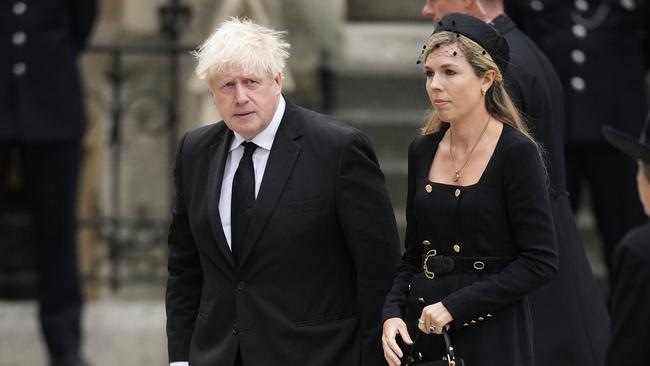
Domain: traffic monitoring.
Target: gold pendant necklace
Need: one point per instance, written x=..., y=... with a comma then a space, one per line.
x=451, y=139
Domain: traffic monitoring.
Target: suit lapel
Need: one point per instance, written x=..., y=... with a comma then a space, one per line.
x=218, y=155
x=284, y=152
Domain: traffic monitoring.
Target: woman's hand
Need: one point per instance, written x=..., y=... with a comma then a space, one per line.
x=392, y=352
x=433, y=318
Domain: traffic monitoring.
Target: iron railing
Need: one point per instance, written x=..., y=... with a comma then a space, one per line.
x=134, y=244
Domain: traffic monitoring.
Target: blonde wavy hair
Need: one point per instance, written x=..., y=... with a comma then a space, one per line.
x=497, y=101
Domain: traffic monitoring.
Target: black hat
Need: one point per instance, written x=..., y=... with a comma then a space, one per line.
x=637, y=149
x=480, y=32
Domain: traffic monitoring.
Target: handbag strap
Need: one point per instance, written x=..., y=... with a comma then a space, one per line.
x=414, y=355
x=451, y=358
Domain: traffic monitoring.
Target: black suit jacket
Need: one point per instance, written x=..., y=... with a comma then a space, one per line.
x=631, y=300
x=316, y=264
x=573, y=298
x=535, y=87
x=43, y=103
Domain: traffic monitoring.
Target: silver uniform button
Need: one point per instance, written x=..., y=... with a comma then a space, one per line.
x=628, y=4
x=19, y=69
x=537, y=5
x=582, y=5
x=579, y=30
x=578, y=57
x=19, y=38
x=578, y=83
x=19, y=8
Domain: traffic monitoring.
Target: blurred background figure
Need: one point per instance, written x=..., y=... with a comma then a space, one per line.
x=631, y=276
x=600, y=51
x=42, y=122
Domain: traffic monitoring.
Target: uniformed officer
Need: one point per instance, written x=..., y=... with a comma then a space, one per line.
x=41, y=118
x=597, y=47
x=631, y=276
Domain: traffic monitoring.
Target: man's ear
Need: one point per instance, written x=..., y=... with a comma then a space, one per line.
x=468, y=4
x=278, y=81
x=473, y=8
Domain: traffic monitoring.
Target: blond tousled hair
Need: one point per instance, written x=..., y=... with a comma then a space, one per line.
x=238, y=42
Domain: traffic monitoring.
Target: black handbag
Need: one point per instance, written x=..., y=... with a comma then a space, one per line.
x=414, y=357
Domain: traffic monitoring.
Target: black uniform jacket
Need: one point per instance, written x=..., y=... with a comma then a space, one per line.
x=598, y=50
x=316, y=264
x=631, y=300
x=40, y=88
x=507, y=215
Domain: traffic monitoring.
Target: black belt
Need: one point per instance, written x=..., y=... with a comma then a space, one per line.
x=440, y=264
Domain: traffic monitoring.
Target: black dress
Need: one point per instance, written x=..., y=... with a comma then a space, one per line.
x=504, y=221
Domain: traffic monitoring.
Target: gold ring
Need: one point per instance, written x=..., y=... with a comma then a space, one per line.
x=432, y=328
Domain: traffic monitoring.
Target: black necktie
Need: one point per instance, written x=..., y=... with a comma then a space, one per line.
x=243, y=199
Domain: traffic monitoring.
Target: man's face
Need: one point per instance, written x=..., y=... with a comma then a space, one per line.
x=436, y=9
x=246, y=102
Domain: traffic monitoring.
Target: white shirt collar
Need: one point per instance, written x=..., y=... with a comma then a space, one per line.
x=265, y=138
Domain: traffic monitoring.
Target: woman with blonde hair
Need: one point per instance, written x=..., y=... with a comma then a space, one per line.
x=480, y=234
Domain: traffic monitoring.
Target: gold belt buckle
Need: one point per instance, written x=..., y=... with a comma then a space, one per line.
x=430, y=275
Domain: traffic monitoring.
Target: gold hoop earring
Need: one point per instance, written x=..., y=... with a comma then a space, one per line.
x=483, y=92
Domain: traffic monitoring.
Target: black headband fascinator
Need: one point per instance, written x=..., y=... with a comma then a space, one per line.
x=480, y=32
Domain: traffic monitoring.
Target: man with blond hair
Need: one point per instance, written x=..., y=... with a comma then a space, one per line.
x=283, y=242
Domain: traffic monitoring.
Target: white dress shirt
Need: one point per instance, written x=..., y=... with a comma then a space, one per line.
x=264, y=141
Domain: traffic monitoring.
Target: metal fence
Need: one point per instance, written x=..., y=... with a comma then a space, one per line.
x=132, y=244
x=133, y=241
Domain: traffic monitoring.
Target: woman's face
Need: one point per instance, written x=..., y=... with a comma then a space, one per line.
x=453, y=87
